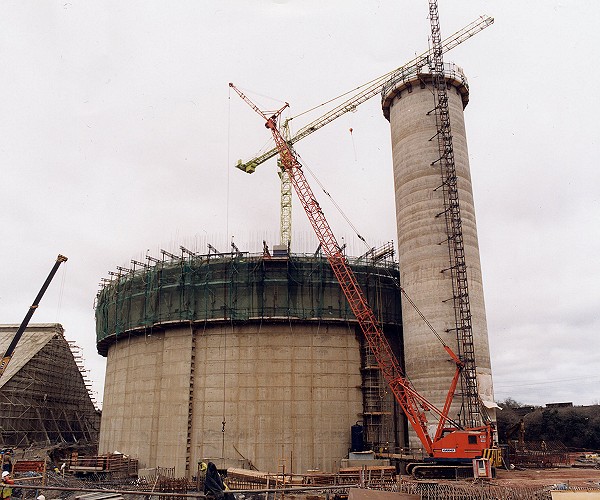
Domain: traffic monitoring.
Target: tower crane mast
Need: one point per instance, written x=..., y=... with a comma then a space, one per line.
x=471, y=408
x=451, y=442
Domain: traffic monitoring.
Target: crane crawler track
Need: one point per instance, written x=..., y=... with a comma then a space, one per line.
x=425, y=470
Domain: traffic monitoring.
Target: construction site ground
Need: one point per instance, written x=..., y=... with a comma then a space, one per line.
x=573, y=476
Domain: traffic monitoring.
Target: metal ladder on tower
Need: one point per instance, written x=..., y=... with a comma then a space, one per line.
x=458, y=268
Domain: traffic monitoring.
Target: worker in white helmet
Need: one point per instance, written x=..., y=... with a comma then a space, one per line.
x=6, y=484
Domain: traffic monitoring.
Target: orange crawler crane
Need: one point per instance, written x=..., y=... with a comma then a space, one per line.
x=453, y=446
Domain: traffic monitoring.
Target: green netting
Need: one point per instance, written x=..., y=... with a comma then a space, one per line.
x=238, y=288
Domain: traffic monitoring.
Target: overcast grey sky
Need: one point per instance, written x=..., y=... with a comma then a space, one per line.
x=118, y=133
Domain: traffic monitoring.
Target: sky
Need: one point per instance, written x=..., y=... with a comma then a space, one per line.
x=118, y=136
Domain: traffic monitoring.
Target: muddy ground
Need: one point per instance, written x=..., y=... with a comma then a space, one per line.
x=540, y=477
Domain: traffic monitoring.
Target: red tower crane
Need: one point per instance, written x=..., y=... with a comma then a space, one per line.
x=453, y=445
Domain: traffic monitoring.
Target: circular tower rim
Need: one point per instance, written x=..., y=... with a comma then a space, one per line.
x=455, y=78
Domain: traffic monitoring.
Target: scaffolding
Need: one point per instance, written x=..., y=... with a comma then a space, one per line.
x=380, y=411
x=470, y=411
x=44, y=399
x=236, y=287
x=241, y=288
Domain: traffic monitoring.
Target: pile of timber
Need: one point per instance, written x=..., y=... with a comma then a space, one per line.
x=115, y=464
x=244, y=479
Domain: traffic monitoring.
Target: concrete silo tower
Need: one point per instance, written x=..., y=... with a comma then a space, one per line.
x=243, y=359
x=423, y=238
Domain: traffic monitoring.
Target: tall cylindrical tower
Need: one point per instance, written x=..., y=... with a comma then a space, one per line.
x=423, y=241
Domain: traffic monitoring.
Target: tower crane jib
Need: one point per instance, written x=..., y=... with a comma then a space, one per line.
x=373, y=88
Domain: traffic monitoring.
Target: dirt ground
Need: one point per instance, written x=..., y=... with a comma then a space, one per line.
x=569, y=475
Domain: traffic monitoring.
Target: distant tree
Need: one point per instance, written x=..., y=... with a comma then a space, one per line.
x=510, y=403
x=509, y=417
x=506, y=418
x=576, y=427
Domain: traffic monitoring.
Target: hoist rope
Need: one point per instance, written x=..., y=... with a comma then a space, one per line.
x=253, y=93
x=410, y=301
x=335, y=204
x=414, y=306
x=227, y=233
x=356, y=89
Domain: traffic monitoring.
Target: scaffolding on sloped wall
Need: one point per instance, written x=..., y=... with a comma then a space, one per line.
x=44, y=399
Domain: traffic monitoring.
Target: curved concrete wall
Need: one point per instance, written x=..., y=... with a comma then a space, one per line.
x=268, y=345
x=286, y=392
x=423, y=250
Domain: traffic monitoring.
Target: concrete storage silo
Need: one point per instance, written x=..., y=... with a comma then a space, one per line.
x=423, y=248
x=241, y=359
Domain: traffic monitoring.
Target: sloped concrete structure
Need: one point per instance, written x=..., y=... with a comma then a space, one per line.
x=43, y=395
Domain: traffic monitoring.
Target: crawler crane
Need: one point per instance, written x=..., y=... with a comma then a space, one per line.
x=453, y=445
x=36, y=302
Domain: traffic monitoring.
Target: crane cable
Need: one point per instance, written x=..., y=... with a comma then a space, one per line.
x=356, y=89
x=411, y=302
x=397, y=283
x=227, y=233
x=402, y=290
x=335, y=204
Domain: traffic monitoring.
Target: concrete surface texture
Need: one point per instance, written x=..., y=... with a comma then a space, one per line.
x=422, y=238
x=241, y=359
x=270, y=393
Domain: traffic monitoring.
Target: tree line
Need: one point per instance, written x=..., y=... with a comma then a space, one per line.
x=577, y=427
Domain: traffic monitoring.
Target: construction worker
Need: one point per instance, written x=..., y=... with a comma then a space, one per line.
x=6, y=484
x=202, y=468
x=213, y=484
x=6, y=460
